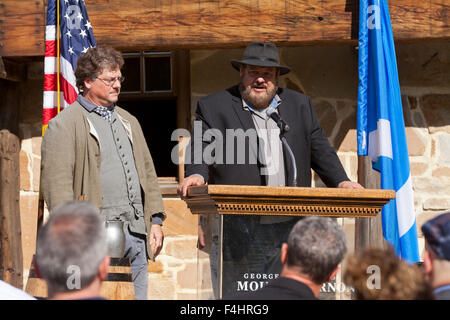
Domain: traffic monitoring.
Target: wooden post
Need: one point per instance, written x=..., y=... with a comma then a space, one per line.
x=182, y=77
x=368, y=231
x=11, y=259
x=10, y=241
x=182, y=68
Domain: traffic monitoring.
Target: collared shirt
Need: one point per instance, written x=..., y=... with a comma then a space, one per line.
x=104, y=112
x=90, y=106
x=270, y=152
x=440, y=289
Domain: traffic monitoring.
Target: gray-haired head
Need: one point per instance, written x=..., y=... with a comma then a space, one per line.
x=316, y=246
x=73, y=239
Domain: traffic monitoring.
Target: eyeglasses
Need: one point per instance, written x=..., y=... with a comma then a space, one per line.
x=109, y=82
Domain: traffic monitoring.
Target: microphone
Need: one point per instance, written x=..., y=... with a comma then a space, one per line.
x=271, y=112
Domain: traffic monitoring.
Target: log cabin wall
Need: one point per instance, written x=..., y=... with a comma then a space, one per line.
x=317, y=42
x=167, y=24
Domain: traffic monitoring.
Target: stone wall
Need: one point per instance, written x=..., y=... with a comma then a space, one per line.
x=174, y=273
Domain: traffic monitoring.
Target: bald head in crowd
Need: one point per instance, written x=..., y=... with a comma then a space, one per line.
x=71, y=251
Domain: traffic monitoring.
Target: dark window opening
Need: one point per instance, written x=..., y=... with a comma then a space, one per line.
x=158, y=120
x=147, y=73
x=157, y=74
x=131, y=71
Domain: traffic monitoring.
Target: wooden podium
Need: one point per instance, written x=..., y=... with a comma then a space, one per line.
x=287, y=201
x=214, y=202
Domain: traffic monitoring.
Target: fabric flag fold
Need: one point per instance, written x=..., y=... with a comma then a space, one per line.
x=75, y=37
x=380, y=126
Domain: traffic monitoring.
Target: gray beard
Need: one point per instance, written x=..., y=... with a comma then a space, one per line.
x=257, y=102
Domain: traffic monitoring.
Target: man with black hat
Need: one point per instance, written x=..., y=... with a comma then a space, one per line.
x=243, y=109
x=436, y=259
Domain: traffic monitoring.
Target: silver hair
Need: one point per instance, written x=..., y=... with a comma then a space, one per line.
x=316, y=246
x=74, y=236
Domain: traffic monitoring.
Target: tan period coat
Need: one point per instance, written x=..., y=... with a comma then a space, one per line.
x=71, y=161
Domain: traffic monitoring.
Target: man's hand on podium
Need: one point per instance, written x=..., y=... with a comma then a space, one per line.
x=193, y=180
x=350, y=185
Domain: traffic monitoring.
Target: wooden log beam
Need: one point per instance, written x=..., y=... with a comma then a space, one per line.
x=22, y=27
x=167, y=24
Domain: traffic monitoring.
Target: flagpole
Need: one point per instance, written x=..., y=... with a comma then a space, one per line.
x=57, y=59
x=41, y=204
x=362, y=229
x=368, y=231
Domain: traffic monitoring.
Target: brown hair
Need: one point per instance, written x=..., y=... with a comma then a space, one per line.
x=94, y=61
x=397, y=279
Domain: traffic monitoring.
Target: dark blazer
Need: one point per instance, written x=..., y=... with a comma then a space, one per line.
x=223, y=110
x=279, y=289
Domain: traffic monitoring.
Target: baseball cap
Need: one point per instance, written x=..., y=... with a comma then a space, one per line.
x=437, y=235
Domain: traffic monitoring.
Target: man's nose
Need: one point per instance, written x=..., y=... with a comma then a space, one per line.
x=117, y=84
x=260, y=79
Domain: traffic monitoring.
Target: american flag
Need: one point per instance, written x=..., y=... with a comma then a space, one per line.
x=76, y=36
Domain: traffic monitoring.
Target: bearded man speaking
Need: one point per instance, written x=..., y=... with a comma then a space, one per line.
x=251, y=244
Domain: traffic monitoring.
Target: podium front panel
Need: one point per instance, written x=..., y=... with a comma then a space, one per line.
x=251, y=251
x=245, y=226
x=242, y=255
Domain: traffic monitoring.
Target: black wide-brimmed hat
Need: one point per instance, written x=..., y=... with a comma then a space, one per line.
x=262, y=55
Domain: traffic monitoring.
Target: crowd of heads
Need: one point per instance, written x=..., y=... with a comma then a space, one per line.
x=75, y=235
x=317, y=246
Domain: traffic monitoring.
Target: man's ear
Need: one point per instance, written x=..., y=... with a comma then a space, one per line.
x=427, y=262
x=88, y=83
x=284, y=250
x=333, y=274
x=103, y=268
x=241, y=70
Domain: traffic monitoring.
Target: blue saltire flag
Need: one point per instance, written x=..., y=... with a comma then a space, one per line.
x=380, y=126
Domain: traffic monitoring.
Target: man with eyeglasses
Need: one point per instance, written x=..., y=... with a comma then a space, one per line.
x=96, y=151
